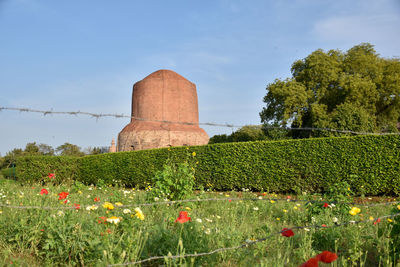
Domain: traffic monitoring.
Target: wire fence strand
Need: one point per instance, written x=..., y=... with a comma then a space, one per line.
x=114, y=115
x=249, y=242
x=205, y=200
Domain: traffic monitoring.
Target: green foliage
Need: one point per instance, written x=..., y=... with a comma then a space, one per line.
x=68, y=149
x=356, y=90
x=37, y=168
x=311, y=165
x=175, y=181
x=244, y=134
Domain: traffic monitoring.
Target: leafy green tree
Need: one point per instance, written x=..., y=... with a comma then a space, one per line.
x=244, y=134
x=68, y=149
x=357, y=90
x=31, y=149
x=96, y=150
x=46, y=150
x=220, y=138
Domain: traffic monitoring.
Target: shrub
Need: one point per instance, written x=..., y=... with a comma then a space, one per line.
x=280, y=166
x=36, y=168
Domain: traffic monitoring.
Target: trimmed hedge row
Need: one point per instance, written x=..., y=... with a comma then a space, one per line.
x=279, y=166
x=36, y=168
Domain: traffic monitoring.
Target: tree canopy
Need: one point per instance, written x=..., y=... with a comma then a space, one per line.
x=357, y=90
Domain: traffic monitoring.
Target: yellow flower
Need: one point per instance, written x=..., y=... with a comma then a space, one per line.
x=371, y=218
x=295, y=207
x=285, y=211
x=188, y=208
x=126, y=211
x=139, y=213
x=272, y=201
x=278, y=219
x=194, y=154
x=226, y=195
x=1, y=211
x=398, y=207
x=354, y=211
x=390, y=220
x=108, y=205
x=80, y=192
x=118, y=204
x=113, y=220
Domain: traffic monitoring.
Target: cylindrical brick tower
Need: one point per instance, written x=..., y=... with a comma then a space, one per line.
x=165, y=113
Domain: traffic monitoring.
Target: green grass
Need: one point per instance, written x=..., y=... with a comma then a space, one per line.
x=38, y=237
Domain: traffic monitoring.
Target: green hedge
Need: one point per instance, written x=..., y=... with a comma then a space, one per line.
x=279, y=166
x=36, y=168
x=9, y=173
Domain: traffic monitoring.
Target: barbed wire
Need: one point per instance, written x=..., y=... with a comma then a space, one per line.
x=100, y=115
x=250, y=242
x=204, y=200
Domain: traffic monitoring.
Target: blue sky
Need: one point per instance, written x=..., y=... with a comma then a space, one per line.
x=86, y=55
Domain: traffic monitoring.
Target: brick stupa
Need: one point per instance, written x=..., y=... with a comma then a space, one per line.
x=163, y=96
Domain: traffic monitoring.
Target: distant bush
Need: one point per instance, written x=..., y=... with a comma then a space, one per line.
x=280, y=166
x=36, y=168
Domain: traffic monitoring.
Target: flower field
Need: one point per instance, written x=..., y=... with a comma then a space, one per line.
x=76, y=225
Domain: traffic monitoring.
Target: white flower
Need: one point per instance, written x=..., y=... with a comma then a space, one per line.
x=113, y=220
x=335, y=219
x=199, y=220
x=156, y=199
x=207, y=231
x=332, y=205
x=260, y=197
x=126, y=211
x=208, y=220
x=60, y=213
x=90, y=188
x=306, y=229
x=255, y=208
x=93, y=207
x=218, y=217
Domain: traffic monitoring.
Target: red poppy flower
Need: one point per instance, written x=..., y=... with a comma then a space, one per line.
x=287, y=232
x=377, y=221
x=66, y=201
x=102, y=220
x=63, y=195
x=51, y=175
x=183, y=217
x=313, y=262
x=323, y=225
x=326, y=205
x=77, y=206
x=230, y=200
x=96, y=199
x=327, y=256
x=44, y=191
x=288, y=197
x=42, y=230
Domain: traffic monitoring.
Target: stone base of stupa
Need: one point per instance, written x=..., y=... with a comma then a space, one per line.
x=148, y=135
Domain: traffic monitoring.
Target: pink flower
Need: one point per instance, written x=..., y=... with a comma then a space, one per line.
x=44, y=191
x=182, y=218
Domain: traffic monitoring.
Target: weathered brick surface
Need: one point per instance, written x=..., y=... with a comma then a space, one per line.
x=162, y=96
